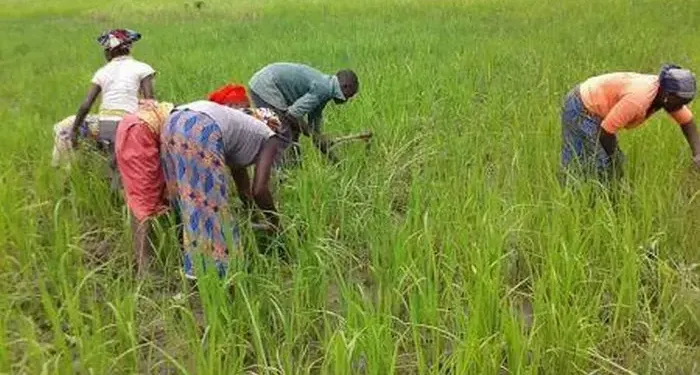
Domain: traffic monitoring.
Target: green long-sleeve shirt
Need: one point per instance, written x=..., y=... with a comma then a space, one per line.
x=298, y=89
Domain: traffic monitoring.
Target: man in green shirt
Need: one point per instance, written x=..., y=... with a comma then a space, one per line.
x=296, y=90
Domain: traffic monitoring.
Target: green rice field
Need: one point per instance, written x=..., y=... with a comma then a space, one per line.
x=448, y=247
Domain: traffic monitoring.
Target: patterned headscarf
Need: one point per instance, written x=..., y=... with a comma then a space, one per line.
x=115, y=38
x=678, y=81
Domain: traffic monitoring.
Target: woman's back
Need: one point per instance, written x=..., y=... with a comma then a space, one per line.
x=243, y=135
x=120, y=81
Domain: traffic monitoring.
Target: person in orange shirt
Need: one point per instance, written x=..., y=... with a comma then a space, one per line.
x=597, y=109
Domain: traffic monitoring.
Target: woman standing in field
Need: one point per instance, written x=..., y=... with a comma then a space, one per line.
x=199, y=141
x=120, y=81
x=598, y=108
x=137, y=149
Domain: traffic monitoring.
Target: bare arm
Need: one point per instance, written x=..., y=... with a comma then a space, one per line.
x=242, y=181
x=608, y=141
x=297, y=122
x=310, y=104
x=261, y=181
x=319, y=141
x=147, y=87
x=690, y=132
x=84, y=109
x=324, y=146
x=621, y=114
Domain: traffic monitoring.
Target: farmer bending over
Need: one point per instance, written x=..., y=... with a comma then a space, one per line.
x=296, y=90
x=199, y=143
x=137, y=149
x=597, y=109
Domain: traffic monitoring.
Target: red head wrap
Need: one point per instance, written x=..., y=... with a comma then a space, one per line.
x=230, y=94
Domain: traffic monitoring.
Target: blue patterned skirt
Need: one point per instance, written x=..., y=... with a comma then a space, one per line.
x=192, y=151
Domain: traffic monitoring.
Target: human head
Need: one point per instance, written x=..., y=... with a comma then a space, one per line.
x=349, y=84
x=231, y=95
x=117, y=42
x=677, y=86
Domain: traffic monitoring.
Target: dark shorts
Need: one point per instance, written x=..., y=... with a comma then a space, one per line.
x=106, y=138
x=581, y=152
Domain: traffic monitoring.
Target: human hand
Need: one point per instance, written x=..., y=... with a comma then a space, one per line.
x=332, y=158
x=266, y=228
x=615, y=168
x=297, y=123
x=696, y=162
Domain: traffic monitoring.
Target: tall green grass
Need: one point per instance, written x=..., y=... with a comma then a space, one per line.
x=448, y=247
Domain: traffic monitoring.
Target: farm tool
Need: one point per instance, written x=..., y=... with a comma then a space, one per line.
x=365, y=136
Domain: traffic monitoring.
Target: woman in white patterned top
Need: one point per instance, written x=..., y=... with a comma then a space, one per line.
x=120, y=82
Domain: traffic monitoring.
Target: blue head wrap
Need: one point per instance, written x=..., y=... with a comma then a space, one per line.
x=680, y=82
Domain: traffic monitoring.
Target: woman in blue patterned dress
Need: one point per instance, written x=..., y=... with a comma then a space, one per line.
x=199, y=142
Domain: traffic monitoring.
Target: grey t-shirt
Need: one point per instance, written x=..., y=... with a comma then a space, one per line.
x=244, y=135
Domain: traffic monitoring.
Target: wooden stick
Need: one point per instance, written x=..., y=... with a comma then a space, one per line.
x=363, y=136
